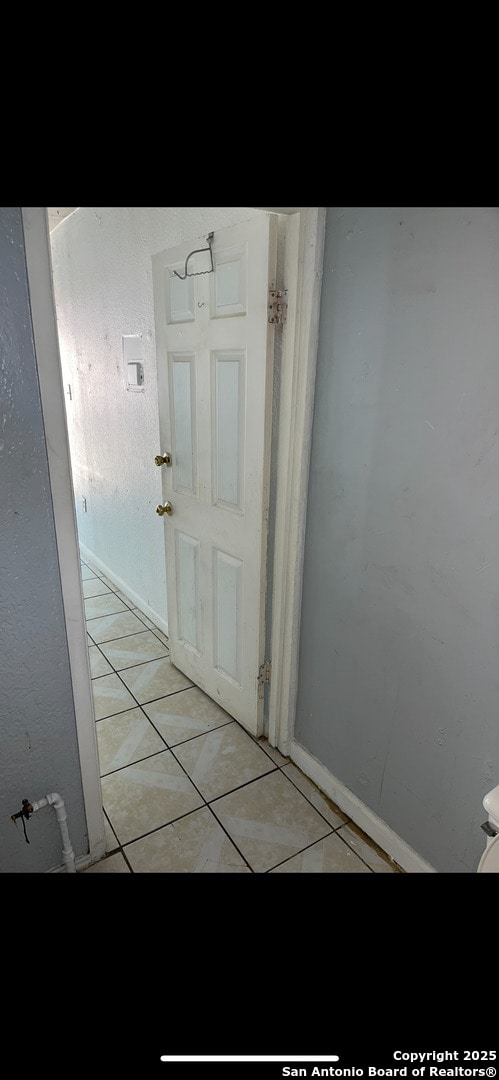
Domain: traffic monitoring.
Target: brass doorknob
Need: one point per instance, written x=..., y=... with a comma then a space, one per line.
x=163, y=459
x=166, y=509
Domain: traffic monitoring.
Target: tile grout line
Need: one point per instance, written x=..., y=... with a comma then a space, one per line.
x=334, y=830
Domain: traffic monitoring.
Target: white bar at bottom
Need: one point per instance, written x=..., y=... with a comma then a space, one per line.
x=249, y=1057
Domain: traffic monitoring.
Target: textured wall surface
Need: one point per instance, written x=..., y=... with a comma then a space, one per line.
x=39, y=752
x=398, y=678
x=102, y=273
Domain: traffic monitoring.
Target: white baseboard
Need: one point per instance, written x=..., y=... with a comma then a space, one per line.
x=377, y=829
x=125, y=589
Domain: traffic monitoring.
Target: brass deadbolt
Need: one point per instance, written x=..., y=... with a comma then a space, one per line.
x=163, y=459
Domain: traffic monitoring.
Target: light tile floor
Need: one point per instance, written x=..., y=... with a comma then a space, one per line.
x=186, y=790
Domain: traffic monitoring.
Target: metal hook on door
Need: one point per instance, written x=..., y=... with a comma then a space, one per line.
x=198, y=251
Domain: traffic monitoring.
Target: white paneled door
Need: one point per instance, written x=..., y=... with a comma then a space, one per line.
x=215, y=364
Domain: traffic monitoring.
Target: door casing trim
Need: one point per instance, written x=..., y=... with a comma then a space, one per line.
x=303, y=279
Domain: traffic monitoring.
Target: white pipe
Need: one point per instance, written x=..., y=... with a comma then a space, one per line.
x=57, y=802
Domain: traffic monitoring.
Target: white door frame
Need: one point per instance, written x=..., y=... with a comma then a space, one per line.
x=303, y=278
x=304, y=254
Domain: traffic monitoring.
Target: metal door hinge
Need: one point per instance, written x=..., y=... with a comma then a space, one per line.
x=264, y=673
x=278, y=306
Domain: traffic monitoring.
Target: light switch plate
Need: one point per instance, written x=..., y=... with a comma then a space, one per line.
x=135, y=375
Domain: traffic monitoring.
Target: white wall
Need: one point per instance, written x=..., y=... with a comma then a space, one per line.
x=102, y=277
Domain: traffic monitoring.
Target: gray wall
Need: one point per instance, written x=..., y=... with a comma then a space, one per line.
x=399, y=676
x=39, y=752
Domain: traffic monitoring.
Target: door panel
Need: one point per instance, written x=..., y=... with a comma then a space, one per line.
x=182, y=371
x=228, y=425
x=215, y=364
x=188, y=594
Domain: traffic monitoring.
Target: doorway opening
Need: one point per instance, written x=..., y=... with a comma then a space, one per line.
x=301, y=266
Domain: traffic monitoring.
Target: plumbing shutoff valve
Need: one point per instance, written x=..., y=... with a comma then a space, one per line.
x=57, y=803
x=25, y=814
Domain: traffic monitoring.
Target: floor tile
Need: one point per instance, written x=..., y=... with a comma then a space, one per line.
x=108, y=627
x=334, y=816
x=103, y=605
x=329, y=856
x=134, y=649
x=194, y=845
x=86, y=572
x=147, y=796
x=161, y=761
x=154, y=680
x=222, y=760
x=367, y=849
x=95, y=569
x=98, y=663
x=94, y=587
x=109, y=583
x=185, y=715
x=272, y=751
x=110, y=696
x=269, y=821
x=150, y=626
x=112, y=864
x=111, y=841
x=145, y=619
x=123, y=597
x=126, y=738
